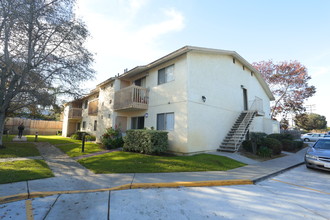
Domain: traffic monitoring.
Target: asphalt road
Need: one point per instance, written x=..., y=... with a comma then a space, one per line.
x=299, y=193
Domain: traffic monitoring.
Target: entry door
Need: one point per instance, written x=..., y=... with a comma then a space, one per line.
x=245, y=99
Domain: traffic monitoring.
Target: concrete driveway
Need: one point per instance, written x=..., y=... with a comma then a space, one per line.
x=299, y=193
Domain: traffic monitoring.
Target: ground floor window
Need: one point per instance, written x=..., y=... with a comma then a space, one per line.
x=165, y=121
x=137, y=122
x=95, y=125
x=84, y=125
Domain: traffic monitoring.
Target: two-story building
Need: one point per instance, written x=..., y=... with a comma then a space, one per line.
x=204, y=98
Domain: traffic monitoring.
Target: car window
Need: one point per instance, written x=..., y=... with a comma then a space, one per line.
x=315, y=135
x=322, y=144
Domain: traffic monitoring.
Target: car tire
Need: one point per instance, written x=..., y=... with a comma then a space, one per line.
x=306, y=140
x=308, y=167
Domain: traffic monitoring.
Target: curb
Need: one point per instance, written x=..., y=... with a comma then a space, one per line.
x=258, y=179
x=25, y=196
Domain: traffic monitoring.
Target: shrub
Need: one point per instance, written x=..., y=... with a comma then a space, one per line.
x=298, y=144
x=90, y=138
x=59, y=133
x=281, y=137
x=264, y=152
x=146, y=141
x=112, y=138
x=257, y=136
x=273, y=144
x=247, y=145
x=75, y=136
x=78, y=135
x=288, y=145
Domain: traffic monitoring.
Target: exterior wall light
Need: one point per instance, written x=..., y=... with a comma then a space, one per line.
x=203, y=98
x=146, y=115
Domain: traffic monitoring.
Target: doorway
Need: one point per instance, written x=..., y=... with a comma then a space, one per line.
x=245, y=99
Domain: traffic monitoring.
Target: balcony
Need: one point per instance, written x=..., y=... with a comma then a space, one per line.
x=131, y=98
x=75, y=113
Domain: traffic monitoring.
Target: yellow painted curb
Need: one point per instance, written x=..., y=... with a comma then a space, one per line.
x=13, y=198
x=24, y=196
x=192, y=184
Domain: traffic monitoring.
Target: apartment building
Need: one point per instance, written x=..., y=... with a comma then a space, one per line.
x=207, y=99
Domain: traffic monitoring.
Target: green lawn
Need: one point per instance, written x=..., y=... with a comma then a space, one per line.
x=127, y=162
x=74, y=150
x=16, y=171
x=17, y=149
x=52, y=139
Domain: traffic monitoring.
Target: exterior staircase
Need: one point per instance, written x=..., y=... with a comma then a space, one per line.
x=237, y=134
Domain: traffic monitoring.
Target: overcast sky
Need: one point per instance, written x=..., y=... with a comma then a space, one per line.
x=128, y=33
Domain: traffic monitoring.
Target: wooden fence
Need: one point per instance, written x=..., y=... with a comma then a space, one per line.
x=33, y=126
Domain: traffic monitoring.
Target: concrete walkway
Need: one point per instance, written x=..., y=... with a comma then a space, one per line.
x=71, y=176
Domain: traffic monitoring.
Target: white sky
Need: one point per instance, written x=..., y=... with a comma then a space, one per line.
x=128, y=33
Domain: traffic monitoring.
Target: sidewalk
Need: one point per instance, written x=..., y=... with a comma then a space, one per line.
x=71, y=177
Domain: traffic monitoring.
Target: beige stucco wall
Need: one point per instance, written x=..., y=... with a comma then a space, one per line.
x=218, y=79
x=105, y=109
x=65, y=121
x=165, y=98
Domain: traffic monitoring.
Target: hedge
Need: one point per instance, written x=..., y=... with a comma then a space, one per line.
x=146, y=141
x=281, y=137
x=273, y=144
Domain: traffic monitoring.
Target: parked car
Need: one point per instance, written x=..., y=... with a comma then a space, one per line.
x=311, y=137
x=318, y=156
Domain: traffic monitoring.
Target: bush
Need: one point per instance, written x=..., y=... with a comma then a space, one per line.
x=273, y=144
x=78, y=135
x=298, y=144
x=146, y=141
x=288, y=145
x=264, y=152
x=75, y=137
x=281, y=137
x=112, y=138
x=90, y=138
x=257, y=136
x=247, y=145
x=59, y=133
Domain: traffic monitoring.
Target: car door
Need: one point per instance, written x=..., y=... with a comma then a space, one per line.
x=315, y=137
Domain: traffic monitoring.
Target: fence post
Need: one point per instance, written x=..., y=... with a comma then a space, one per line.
x=83, y=142
x=36, y=137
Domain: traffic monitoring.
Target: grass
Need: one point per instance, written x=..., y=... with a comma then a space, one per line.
x=19, y=150
x=16, y=171
x=74, y=150
x=52, y=139
x=127, y=162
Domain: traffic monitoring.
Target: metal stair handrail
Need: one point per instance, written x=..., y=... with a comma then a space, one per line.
x=243, y=126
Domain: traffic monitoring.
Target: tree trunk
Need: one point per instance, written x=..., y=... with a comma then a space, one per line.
x=2, y=125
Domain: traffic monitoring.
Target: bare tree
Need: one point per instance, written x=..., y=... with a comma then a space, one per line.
x=42, y=53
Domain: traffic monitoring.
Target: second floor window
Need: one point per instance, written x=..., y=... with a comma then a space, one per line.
x=166, y=75
x=85, y=104
x=141, y=82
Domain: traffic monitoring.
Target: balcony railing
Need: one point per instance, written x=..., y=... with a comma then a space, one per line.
x=75, y=113
x=131, y=98
x=257, y=105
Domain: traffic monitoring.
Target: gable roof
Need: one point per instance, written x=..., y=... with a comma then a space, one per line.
x=187, y=49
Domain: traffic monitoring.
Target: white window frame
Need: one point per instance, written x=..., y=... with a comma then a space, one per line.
x=168, y=121
x=168, y=74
